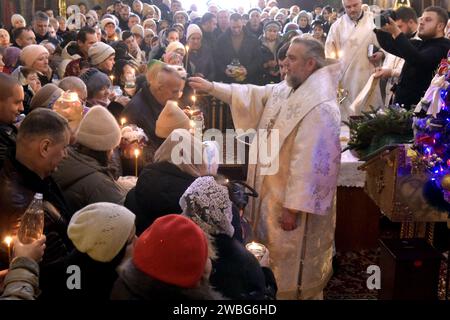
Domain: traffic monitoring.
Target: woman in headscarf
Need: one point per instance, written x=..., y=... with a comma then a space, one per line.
x=10, y=59
x=237, y=274
x=161, y=184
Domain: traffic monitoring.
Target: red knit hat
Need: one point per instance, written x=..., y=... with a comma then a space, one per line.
x=173, y=250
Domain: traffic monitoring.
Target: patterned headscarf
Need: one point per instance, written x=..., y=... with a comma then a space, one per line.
x=208, y=204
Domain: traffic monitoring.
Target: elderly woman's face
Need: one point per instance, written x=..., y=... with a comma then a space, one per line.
x=4, y=38
x=148, y=39
x=41, y=63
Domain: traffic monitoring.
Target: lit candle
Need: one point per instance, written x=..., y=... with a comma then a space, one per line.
x=257, y=249
x=123, y=121
x=187, y=57
x=112, y=78
x=136, y=156
x=194, y=99
x=8, y=240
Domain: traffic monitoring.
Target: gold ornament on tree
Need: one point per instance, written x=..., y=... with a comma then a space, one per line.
x=445, y=182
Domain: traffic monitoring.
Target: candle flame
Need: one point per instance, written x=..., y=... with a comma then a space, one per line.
x=227, y=181
x=187, y=48
x=136, y=152
x=123, y=121
x=192, y=122
x=111, y=77
x=8, y=240
x=194, y=98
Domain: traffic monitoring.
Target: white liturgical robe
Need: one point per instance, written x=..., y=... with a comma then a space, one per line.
x=306, y=123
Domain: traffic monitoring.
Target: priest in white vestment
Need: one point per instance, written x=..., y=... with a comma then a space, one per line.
x=294, y=215
x=349, y=40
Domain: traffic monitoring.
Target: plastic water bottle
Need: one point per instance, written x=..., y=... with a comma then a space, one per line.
x=32, y=222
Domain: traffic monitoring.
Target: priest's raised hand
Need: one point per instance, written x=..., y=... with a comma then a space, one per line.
x=200, y=84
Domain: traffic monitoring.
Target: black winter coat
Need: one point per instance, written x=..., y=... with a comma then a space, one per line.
x=237, y=274
x=157, y=193
x=8, y=135
x=249, y=56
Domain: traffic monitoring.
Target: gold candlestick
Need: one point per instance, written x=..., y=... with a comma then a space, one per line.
x=136, y=156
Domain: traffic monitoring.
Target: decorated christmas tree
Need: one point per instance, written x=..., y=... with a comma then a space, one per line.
x=431, y=148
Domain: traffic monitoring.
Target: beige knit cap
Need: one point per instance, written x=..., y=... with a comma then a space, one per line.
x=171, y=118
x=31, y=53
x=99, y=130
x=101, y=230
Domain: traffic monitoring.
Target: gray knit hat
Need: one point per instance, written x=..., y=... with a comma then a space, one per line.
x=99, y=52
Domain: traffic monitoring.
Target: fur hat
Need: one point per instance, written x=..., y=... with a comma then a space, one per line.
x=193, y=28
x=31, y=53
x=208, y=204
x=99, y=130
x=99, y=52
x=171, y=118
x=101, y=230
x=173, y=250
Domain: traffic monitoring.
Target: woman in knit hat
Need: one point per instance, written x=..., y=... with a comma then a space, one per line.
x=181, y=17
x=85, y=176
x=36, y=56
x=270, y=42
x=303, y=20
x=45, y=96
x=150, y=24
x=101, y=56
x=103, y=235
x=149, y=34
x=200, y=60
x=161, y=184
x=153, y=274
x=174, y=54
x=237, y=274
x=10, y=59
x=17, y=21
x=98, y=85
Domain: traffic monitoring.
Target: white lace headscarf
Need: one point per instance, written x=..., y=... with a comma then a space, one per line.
x=208, y=204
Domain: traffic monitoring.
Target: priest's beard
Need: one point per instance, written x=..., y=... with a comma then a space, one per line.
x=293, y=81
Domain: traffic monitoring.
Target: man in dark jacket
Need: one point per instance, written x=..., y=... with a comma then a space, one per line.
x=41, y=145
x=11, y=105
x=208, y=24
x=254, y=25
x=237, y=44
x=421, y=57
x=163, y=84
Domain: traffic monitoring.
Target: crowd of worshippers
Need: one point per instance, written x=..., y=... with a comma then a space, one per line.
x=61, y=135
x=65, y=86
